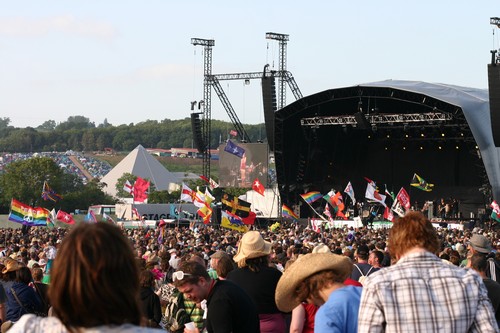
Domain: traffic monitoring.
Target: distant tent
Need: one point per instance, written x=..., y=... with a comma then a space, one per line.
x=142, y=164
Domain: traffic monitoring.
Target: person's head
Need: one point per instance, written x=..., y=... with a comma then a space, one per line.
x=413, y=230
x=146, y=279
x=375, y=258
x=37, y=274
x=308, y=276
x=23, y=275
x=362, y=253
x=479, y=262
x=253, y=250
x=192, y=280
x=479, y=244
x=224, y=265
x=94, y=278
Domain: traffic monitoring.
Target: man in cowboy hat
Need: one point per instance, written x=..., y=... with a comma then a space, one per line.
x=420, y=293
x=318, y=278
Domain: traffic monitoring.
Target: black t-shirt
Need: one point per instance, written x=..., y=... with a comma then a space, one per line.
x=230, y=309
x=260, y=286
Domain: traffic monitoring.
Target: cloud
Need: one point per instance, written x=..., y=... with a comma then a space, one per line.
x=26, y=27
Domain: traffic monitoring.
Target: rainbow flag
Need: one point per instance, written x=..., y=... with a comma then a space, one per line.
x=21, y=213
x=310, y=197
x=288, y=212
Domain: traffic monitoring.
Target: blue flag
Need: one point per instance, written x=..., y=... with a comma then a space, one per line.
x=232, y=148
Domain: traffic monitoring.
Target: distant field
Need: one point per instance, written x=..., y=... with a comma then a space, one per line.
x=174, y=164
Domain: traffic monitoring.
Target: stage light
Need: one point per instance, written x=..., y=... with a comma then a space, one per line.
x=388, y=136
x=457, y=147
x=422, y=135
x=421, y=148
x=406, y=135
x=404, y=147
x=439, y=147
x=442, y=134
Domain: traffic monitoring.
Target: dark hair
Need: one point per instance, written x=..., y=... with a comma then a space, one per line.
x=195, y=271
x=224, y=266
x=479, y=262
x=379, y=255
x=94, y=278
x=255, y=264
x=146, y=279
x=23, y=275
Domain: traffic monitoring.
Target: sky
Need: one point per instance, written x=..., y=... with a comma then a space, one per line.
x=131, y=61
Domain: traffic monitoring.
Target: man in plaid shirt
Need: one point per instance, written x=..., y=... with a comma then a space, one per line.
x=420, y=293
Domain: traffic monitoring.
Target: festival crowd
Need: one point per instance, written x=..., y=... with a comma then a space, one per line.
x=98, y=277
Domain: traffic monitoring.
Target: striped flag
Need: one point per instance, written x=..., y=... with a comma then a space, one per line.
x=288, y=212
x=311, y=197
x=27, y=215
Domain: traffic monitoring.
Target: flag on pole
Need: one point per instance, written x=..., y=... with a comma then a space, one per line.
x=397, y=208
x=140, y=189
x=49, y=194
x=90, y=217
x=108, y=218
x=235, y=205
x=187, y=194
x=27, y=215
x=258, y=187
x=208, y=197
x=234, y=149
x=350, y=191
x=288, y=212
x=316, y=225
x=65, y=217
x=311, y=197
x=228, y=221
x=233, y=133
x=388, y=214
x=136, y=213
x=213, y=184
x=373, y=194
x=404, y=198
x=206, y=213
x=495, y=214
x=127, y=187
x=420, y=183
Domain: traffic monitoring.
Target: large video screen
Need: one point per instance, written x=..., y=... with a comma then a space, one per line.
x=235, y=171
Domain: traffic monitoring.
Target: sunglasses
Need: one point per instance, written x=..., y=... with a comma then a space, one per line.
x=179, y=275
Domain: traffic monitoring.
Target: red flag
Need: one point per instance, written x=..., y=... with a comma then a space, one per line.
x=258, y=187
x=404, y=198
x=233, y=132
x=65, y=217
x=388, y=214
x=205, y=178
x=140, y=188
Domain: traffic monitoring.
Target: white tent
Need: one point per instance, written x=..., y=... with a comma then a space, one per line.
x=142, y=164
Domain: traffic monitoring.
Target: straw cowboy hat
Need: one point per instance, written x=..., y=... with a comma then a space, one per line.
x=321, y=248
x=305, y=266
x=11, y=265
x=252, y=245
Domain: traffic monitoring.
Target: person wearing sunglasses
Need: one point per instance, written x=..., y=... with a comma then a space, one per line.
x=227, y=307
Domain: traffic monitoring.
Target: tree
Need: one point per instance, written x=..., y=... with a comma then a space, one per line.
x=85, y=196
x=48, y=125
x=24, y=180
x=120, y=183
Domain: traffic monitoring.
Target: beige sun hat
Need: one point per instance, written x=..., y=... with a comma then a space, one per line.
x=11, y=265
x=305, y=266
x=321, y=248
x=252, y=245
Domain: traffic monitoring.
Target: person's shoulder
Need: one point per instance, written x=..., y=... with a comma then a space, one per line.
x=32, y=324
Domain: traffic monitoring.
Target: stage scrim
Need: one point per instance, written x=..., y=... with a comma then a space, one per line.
x=241, y=172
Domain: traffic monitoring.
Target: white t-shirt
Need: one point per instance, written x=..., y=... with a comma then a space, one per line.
x=32, y=324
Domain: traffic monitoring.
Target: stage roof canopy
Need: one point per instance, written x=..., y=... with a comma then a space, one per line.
x=387, y=131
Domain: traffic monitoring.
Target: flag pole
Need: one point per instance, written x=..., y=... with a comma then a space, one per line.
x=314, y=210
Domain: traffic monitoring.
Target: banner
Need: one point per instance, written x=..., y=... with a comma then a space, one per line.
x=27, y=215
x=228, y=222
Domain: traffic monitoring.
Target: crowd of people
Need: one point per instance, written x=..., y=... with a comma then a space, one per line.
x=412, y=277
x=95, y=167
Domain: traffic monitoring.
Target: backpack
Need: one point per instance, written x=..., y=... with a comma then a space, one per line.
x=175, y=315
x=363, y=277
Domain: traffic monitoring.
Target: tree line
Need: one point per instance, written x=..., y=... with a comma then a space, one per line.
x=78, y=133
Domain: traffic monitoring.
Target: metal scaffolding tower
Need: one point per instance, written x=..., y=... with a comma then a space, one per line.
x=282, y=38
x=207, y=98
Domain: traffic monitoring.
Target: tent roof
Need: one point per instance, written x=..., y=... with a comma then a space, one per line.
x=468, y=105
x=141, y=164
